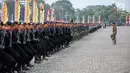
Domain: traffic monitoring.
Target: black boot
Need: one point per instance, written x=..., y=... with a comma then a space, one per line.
x=20, y=71
x=25, y=68
x=43, y=58
x=29, y=65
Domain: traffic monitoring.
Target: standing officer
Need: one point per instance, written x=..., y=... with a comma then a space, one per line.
x=114, y=32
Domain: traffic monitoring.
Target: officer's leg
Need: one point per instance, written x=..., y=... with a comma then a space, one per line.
x=24, y=56
x=16, y=56
x=37, y=59
x=27, y=50
x=8, y=61
x=31, y=48
x=114, y=39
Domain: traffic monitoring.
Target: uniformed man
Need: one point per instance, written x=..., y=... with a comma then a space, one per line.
x=114, y=32
x=7, y=55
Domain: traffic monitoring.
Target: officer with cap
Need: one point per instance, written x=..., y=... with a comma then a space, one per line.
x=5, y=56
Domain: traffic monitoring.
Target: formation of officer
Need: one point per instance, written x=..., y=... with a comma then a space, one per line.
x=21, y=42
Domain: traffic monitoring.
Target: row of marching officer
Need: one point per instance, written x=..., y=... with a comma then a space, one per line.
x=20, y=43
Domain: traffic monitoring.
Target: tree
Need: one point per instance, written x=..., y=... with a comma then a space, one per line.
x=62, y=7
x=109, y=13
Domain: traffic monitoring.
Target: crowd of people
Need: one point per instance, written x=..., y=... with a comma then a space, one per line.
x=21, y=42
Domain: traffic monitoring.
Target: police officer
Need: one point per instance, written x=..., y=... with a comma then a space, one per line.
x=6, y=57
x=114, y=32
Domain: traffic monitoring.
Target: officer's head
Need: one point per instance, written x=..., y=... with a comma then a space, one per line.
x=15, y=22
x=19, y=23
x=113, y=24
x=24, y=24
x=8, y=23
x=1, y=23
x=51, y=22
x=29, y=24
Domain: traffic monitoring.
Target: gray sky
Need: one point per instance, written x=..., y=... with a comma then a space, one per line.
x=83, y=3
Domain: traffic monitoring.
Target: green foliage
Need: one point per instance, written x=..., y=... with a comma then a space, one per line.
x=108, y=13
x=63, y=9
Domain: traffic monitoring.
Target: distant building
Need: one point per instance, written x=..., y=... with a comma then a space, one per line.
x=23, y=2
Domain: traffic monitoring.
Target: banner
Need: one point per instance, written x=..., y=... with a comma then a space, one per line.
x=42, y=12
x=48, y=15
x=4, y=15
x=35, y=12
x=52, y=15
x=89, y=19
x=77, y=21
x=83, y=21
x=99, y=19
x=34, y=7
x=36, y=16
x=27, y=11
x=127, y=20
x=93, y=20
x=17, y=10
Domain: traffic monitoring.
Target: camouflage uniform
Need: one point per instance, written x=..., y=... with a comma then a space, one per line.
x=113, y=35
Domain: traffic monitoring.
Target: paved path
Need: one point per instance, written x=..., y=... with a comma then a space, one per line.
x=93, y=54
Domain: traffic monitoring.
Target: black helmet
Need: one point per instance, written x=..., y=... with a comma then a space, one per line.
x=8, y=23
x=15, y=22
x=1, y=23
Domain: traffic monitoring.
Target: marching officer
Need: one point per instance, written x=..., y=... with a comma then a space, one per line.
x=5, y=58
